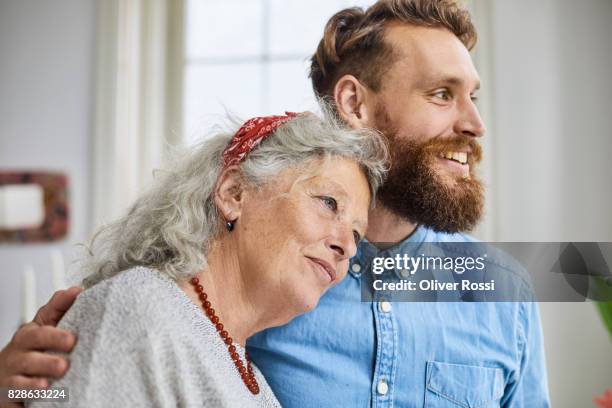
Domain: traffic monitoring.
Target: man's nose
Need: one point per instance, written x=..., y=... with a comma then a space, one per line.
x=469, y=122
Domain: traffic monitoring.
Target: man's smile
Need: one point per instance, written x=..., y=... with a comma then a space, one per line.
x=457, y=162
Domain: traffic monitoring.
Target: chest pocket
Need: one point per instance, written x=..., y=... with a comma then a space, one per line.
x=457, y=385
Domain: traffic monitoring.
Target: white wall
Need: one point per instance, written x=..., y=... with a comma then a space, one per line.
x=552, y=140
x=46, y=63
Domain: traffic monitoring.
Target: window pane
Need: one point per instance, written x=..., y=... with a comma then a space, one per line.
x=296, y=26
x=223, y=28
x=210, y=90
x=231, y=47
x=290, y=88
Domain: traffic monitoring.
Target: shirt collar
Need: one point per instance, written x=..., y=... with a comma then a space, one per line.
x=366, y=251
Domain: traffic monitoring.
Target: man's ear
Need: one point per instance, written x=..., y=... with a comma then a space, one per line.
x=353, y=101
x=229, y=193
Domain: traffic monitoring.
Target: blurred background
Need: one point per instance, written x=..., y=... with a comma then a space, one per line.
x=98, y=90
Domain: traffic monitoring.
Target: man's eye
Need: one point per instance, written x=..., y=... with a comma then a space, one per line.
x=474, y=98
x=443, y=94
x=357, y=237
x=330, y=202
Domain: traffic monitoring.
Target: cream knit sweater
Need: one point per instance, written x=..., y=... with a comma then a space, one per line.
x=143, y=343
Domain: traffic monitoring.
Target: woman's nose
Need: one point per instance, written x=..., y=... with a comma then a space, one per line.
x=343, y=244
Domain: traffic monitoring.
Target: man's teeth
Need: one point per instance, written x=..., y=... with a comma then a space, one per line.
x=461, y=157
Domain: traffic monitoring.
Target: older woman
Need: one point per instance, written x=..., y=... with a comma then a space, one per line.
x=244, y=233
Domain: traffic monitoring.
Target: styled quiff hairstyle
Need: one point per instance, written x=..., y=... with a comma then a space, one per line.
x=353, y=41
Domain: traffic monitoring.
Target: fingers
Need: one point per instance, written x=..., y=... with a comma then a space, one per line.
x=20, y=360
x=11, y=405
x=51, y=313
x=34, y=337
x=38, y=364
x=21, y=365
x=21, y=382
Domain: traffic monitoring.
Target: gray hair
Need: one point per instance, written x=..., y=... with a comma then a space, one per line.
x=170, y=227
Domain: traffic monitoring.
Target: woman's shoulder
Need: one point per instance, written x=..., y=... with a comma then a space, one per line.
x=133, y=300
x=132, y=287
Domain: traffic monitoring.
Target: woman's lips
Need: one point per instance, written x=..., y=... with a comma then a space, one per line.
x=325, y=267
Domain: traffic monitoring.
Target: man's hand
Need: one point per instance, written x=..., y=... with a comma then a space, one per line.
x=23, y=364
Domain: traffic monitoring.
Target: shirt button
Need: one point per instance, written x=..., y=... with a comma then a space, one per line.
x=356, y=268
x=382, y=387
x=385, y=306
x=405, y=273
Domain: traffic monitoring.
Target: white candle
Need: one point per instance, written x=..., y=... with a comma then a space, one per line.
x=28, y=294
x=58, y=270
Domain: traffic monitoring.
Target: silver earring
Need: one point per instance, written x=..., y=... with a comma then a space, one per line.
x=229, y=225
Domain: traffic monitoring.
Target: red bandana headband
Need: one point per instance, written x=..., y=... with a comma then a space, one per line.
x=250, y=135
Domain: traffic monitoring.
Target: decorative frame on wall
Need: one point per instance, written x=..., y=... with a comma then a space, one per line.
x=55, y=223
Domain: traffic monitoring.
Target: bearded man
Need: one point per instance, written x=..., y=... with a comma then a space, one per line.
x=403, y=67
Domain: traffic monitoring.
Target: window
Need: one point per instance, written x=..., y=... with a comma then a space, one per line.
x=250, y=57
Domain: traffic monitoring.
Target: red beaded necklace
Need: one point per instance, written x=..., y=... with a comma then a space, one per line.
x=246, y=373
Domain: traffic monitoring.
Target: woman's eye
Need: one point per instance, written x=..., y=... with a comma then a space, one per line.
x=330, y=202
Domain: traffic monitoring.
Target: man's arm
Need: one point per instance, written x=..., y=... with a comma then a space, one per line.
x=23, y=362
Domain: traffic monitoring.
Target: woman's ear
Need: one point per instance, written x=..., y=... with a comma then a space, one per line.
x=352, y=101
x=229, y=193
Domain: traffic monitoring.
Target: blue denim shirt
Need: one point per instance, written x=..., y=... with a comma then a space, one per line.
x=349, y=353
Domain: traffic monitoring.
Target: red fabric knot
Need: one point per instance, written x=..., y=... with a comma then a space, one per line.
x=252, y=132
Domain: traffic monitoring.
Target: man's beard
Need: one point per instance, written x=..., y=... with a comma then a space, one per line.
x=416, y=190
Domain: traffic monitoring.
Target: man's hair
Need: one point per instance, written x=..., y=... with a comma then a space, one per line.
x=353, y=41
